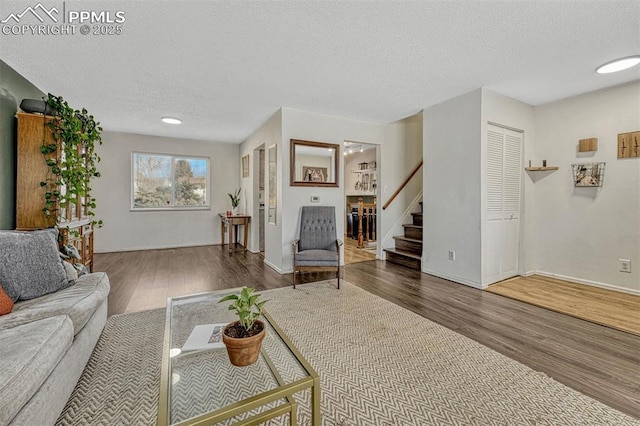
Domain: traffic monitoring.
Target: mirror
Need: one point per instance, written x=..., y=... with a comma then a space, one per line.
x=273, y=184
x=314, y=163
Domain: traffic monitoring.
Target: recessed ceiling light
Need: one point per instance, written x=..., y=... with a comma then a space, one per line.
x=618, y=65
x=171, y=120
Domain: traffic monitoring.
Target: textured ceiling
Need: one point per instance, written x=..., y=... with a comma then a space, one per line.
x=225, y=67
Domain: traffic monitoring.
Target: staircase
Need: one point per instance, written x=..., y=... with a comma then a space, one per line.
x=408, y=250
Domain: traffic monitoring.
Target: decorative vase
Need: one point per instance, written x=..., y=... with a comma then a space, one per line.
x=236, y=210
x=243, y=351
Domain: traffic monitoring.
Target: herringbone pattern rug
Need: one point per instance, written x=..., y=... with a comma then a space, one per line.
x=379, y=364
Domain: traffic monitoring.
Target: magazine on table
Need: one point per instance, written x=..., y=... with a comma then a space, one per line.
x=205, y=336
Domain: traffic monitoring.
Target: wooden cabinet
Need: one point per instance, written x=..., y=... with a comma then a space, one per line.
x=31, y=169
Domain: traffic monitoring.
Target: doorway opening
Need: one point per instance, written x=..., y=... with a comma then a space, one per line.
x=361, y=201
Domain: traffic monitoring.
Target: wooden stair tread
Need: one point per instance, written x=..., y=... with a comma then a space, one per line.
x=413, y=240
x=404, y=253
x=411, y=225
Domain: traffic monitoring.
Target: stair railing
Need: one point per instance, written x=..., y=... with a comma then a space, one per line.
x=401, y=187
x=366, y=221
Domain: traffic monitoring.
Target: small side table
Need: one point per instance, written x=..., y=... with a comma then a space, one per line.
x=235, y=220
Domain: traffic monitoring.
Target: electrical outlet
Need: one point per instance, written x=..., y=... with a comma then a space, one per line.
x=452, y=255
x=624, y=265
x=315, y=199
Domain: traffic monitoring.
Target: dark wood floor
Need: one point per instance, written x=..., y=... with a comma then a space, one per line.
x=598, y=361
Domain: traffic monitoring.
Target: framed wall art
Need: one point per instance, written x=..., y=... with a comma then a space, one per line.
x=245, y=166
x=588, y=174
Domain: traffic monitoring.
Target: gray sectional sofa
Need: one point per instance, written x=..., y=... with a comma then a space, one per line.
x=45, y=343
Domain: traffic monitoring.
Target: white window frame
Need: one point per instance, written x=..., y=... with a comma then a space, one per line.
x=172, y=207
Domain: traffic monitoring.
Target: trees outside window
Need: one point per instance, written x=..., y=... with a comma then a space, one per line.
x=168, y=181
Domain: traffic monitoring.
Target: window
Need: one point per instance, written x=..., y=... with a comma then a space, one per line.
x=163, y=181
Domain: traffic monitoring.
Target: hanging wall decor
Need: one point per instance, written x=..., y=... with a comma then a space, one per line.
x=588, y=174
x=588, y=145
x=629, y=145
x=245, y=166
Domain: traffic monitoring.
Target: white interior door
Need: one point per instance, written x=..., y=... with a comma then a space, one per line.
x=504, y=170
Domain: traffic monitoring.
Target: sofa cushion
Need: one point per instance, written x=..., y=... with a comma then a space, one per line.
x=6, y=304
x=31, y=265
x=317, y=258
x=78, y=302
x=29, y=353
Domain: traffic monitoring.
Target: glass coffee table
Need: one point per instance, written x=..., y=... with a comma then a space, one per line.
x=202, y=387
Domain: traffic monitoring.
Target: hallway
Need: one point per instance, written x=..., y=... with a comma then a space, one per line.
x=352, y=254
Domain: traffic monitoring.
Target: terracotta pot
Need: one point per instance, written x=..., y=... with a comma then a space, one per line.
x=243, y=351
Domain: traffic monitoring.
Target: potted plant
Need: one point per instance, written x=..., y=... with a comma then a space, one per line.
x=235, y=200
x=243, y=338
x=71, y=159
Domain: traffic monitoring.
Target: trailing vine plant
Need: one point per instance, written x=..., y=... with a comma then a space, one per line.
x=71, y=159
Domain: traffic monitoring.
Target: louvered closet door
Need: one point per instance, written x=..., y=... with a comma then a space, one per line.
x=503, y=176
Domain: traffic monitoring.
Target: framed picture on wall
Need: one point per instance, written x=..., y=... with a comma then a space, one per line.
x=245, y=166
x=314, y=174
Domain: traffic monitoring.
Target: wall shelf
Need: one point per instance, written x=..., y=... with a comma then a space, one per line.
x=363, y=171
x=541, y=169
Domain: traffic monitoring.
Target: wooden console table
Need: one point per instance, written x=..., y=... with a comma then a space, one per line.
x=235, y=220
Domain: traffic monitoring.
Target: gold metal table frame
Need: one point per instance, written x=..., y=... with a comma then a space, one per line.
x=285, y=391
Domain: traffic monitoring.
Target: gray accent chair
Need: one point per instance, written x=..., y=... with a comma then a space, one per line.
x=318, y=248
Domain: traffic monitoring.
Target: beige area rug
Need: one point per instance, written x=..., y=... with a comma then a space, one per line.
x=379, y=364
x=598, y=305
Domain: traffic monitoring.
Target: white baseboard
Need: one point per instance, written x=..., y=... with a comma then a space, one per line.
x=272, y=266
x=588, y=282
x=454, y=279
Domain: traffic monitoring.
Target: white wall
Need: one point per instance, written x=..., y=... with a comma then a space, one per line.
x=268, y=134
x=581, y=233
x=401, y=148
x=451, y=188
x=127, y=230
x=399, y=155
x=309, y=126
x=500, y=109
x=351, y=164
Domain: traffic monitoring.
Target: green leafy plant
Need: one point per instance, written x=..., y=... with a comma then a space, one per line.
x=235, y=198
x=71, y=158
x=247, y=306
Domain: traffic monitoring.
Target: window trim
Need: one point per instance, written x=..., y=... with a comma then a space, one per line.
x=174, y=157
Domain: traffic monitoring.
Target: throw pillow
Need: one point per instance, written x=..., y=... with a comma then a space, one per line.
x=71, y=272
x=6, y=304
x=31, y=266
x=81, y=269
